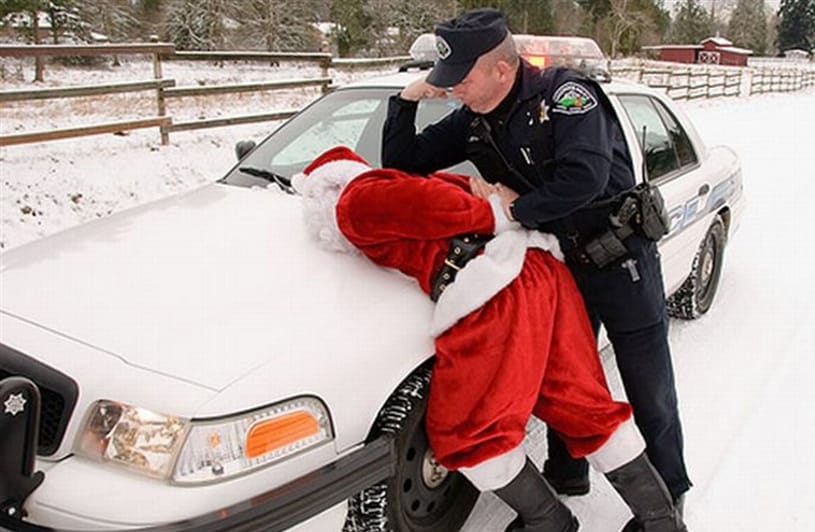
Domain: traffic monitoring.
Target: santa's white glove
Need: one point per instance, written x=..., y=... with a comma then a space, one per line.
x=502, y=223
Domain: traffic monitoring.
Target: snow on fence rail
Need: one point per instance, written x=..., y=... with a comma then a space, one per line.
x=165, y=88
x=689, y=81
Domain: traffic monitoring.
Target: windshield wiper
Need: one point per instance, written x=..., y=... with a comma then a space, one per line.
x=282, y=181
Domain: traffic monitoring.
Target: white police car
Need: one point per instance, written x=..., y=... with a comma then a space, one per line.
x=201, y=364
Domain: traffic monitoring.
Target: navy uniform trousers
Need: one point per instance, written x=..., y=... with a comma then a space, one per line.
x=629, y=301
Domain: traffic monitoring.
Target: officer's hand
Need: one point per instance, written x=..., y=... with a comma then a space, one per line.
x=421, y=90
x=507, y=196
x=480, y=188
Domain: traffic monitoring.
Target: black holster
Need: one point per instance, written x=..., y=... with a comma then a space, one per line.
x=641, y=211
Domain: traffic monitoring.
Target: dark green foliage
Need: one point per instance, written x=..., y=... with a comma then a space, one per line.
x=691, y=24
x=354, y=23
x=796, y=25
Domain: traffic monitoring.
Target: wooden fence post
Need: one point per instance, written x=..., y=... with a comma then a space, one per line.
x=325, y=64
x=160, y=100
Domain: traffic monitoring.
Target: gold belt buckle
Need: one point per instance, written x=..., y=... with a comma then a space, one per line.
x=452, y=264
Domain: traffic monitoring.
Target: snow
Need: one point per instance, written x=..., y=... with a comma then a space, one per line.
x=745, y=373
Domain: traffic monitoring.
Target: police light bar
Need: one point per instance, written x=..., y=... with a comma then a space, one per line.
x=543, y=51
x=581, y=53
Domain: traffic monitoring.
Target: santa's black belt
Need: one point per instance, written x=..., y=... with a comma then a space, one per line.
x=463, y=248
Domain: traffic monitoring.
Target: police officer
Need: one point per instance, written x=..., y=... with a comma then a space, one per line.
x=551, y=145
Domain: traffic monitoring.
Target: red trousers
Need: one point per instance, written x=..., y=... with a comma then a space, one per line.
x=528, y=350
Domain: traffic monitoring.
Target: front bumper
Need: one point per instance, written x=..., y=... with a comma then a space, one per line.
x=278, y=509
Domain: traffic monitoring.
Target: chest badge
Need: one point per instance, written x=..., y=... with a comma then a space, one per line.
x=543, y=115
x=571, y=98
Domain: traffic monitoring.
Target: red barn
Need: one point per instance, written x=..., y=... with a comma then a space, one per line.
x=711, y=51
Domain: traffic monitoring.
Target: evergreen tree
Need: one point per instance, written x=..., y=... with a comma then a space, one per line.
x=748, y=26
x=354, y=23
x=568, y=18
x=691, y=24
x=150, y=14
x=411, y=17
x=65, y=19
x=26, y=14
x=196, y=24
x=114, y=18
x=523, y=16
x=796, y=25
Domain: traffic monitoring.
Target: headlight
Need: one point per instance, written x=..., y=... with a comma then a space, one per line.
x=222, y=448
x=214, y=450
x=133, y=437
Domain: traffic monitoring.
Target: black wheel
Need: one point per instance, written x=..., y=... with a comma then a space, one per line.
x=422, y=496
x=696, y=294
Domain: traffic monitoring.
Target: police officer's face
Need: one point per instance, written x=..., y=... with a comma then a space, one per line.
x=486, y=84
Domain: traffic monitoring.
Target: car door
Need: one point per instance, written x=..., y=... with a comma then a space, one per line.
x=673, y=164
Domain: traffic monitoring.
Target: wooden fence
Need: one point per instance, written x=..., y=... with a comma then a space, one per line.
x=682, y=82
x=688, y=82
x=165, y=88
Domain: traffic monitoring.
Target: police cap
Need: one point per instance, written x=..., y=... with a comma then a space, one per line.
x=460, y=42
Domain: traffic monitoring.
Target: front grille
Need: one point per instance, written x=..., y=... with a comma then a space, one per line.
x=57, y=391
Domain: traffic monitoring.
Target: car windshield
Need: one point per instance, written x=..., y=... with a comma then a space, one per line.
x=351, y=117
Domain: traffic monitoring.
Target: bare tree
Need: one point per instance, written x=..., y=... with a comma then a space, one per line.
x=276, y=25
x=748, y=26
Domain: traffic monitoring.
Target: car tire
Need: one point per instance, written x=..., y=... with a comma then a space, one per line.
x=696, y=294
x=421, y=496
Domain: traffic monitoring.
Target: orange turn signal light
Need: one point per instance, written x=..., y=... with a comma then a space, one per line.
x=270, y=434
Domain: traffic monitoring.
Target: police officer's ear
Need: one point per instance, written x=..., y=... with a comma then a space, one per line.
x=504, y=70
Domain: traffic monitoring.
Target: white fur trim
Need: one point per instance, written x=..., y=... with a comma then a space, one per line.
x=502, y=223
x=625, y=444
x=342, y=170
x=488, y=274
x=320, y=190
x=496, y=472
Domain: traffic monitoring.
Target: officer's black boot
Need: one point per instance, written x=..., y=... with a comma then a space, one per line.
x=538, y=508
x=641, y=487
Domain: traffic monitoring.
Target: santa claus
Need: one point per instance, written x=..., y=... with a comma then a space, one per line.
x=511, y=334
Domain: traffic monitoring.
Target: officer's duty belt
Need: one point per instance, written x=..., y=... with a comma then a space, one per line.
x=602, y=250
x=463, y=248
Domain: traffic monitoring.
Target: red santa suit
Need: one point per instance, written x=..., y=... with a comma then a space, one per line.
x=511, y=333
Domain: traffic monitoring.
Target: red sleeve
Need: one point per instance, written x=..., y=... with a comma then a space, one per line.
x=460, y=180
x=387, y=205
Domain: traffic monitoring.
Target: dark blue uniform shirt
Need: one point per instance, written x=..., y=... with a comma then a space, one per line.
x=555, y=140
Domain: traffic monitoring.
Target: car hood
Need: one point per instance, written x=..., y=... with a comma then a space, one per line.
x=209, y=286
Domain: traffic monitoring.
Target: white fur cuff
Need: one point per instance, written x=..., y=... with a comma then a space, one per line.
x=624, y=445
x=502, y=223
x=496, y=472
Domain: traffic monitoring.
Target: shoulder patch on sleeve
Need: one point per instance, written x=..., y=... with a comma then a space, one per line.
x=572, y=98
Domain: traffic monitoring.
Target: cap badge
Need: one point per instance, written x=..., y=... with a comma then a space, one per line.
x=442, y=47
x=573, y=99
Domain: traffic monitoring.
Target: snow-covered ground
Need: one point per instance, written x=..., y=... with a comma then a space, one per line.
x=745, y=371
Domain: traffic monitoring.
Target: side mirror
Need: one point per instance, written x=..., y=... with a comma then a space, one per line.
x=242, y=147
